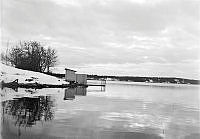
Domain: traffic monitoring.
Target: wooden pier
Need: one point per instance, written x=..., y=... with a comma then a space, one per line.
x=101, y=82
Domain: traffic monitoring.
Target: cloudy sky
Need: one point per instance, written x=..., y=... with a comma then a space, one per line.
x=111, y=37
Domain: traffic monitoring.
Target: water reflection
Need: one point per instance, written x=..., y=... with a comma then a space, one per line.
x=71, y=92
x=26, y=111
x=121, y=112
x=24, y=107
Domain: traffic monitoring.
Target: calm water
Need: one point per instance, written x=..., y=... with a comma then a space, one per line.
x=121, y=111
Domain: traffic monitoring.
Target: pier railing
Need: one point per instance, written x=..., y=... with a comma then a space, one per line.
x=101, y=82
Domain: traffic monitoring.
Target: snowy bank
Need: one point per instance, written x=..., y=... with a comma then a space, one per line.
x=9, y=74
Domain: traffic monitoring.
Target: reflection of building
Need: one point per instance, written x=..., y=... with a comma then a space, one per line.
x=70, y=93
x=70, y=75
x=81, y=79
x=81, y=91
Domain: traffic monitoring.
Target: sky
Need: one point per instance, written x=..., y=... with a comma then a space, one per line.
x=111, y=37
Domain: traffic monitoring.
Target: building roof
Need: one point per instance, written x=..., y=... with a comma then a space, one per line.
x=70, y=69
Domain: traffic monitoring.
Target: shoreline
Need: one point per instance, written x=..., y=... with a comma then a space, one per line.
x=36, y=85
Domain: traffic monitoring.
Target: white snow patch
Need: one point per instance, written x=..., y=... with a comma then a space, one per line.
x=9, y=74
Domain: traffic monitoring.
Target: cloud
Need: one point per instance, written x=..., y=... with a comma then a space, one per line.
x=190, y=70
x=66, y=3
x=108, y=31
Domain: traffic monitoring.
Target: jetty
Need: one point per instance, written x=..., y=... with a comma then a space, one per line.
x=100, y=82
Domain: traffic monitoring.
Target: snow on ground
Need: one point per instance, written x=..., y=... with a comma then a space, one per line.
x=9, y=74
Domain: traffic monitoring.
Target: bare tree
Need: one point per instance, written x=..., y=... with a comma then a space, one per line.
x=3, y=58
x=51, y=58
x=32, y=55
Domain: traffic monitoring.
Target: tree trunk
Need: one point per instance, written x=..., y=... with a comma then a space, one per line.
x=47, y=68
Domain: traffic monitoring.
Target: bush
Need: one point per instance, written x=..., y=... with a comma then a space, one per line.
x=31, y=55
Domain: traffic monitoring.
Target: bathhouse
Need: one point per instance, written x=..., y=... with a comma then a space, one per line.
x=70, y=75
x=81, y=79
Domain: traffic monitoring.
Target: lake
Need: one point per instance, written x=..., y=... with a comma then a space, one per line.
x=122, y=110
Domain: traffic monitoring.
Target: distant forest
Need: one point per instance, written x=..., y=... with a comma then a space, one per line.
x=138, y=79
x=148, y=79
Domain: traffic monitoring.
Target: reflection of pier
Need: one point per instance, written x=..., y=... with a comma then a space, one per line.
x=70, y=93
x=101, y=83
x=102, y=89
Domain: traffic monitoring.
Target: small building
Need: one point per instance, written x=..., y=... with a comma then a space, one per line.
x=70, y=75
x=81, y=79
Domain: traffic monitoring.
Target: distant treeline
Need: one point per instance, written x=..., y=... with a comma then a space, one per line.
x=147, y=79
x=138, y=79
